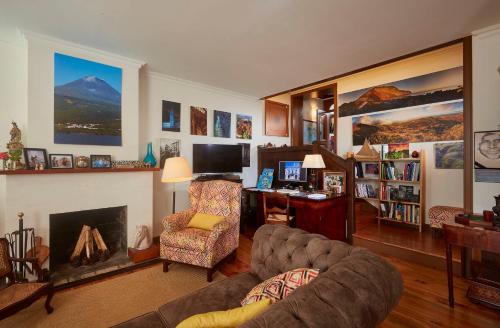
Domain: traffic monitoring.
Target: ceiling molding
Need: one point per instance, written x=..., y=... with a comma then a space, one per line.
x=55, y=42
x=198, y=85
x=487, y=31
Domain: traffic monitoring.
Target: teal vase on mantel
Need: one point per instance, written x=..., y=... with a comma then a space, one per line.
x=150, y=157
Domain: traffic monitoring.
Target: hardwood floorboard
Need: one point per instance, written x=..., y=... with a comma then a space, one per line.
x=425, y=299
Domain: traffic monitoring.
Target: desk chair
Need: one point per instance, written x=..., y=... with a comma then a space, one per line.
x=276, y=208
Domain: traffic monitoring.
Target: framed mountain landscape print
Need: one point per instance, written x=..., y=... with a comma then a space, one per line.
x=87, y=102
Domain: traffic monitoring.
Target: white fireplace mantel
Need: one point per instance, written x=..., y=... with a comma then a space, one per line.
x=40, y=194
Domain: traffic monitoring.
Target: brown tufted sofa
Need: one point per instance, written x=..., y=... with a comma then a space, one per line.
x=355, y=288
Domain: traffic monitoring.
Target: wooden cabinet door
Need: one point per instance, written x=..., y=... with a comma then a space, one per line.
x=333, y=221
x=276, y=119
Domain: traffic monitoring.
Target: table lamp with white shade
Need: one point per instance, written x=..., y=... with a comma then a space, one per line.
x=176, y=169
x=313, y=162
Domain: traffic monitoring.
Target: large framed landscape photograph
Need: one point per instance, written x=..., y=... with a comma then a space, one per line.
x=427, y=123
x=425, y=89
x=87, y=102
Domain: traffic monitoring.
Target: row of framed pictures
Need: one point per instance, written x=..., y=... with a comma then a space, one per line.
x=36, y=158
x=171, y=121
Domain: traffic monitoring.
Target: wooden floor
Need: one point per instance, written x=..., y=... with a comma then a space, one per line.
x=404, y=237
x=425, y=299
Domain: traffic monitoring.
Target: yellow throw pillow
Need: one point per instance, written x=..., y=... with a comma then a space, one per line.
x=204, y=221
x=222, y=319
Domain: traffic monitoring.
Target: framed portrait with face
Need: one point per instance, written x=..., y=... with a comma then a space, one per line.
x=487, y=156
x=487, y=150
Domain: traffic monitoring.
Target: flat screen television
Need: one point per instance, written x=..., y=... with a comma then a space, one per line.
x=292, y=171
x=217, y=158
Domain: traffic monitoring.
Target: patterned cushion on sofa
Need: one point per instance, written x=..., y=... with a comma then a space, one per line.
x=279, y=287
x=188, y=238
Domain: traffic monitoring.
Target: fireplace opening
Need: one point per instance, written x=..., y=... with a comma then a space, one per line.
x=87, y=243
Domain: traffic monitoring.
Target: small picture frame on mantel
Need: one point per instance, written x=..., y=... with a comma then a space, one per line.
x=35, y=158
x=100, y=161
x=61, y=161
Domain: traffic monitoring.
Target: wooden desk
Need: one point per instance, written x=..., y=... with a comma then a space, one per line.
x=325, y=216
x=485, y=239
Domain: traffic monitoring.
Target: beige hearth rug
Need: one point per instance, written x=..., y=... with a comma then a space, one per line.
x=109, y=302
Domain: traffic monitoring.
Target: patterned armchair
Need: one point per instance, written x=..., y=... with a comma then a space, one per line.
x=201, y=247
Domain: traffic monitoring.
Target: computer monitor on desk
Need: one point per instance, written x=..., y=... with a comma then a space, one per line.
x=292, y=171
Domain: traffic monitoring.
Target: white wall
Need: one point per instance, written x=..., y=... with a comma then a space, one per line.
x=13, y=86
x=486, y=101
x=27, y=83
x=156, y=87
x=40, y=116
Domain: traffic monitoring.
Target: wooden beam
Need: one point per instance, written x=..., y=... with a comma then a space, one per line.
x=468, y=125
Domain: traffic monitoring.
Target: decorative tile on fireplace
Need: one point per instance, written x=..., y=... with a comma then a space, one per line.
x=77, y=239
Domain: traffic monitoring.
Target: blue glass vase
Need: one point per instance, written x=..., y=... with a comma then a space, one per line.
x=150, y=157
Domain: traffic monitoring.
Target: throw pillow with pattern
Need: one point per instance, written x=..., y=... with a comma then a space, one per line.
x=280, y=286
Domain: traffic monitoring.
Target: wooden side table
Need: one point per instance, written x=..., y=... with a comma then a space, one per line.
x=485, y=238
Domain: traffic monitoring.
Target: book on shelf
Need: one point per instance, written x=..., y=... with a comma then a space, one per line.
x=402, y=212
x=358, y=170
x=411, y=171
x=383, y=210
x=401, y=193
x=365, y=190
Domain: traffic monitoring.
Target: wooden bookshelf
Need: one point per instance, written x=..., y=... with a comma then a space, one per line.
x=381, y=182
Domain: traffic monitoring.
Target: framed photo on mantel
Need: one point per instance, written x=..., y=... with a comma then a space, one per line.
x=276, y=119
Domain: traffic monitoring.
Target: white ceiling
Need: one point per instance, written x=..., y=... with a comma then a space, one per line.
x=253, y=47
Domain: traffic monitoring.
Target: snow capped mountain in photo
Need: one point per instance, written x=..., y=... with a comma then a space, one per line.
x=90, y=88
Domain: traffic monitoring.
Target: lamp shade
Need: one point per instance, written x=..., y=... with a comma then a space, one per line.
x=314, y=161
x=176, y=170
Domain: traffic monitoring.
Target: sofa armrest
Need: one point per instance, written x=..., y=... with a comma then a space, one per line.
x=359, y=291
x=177, y=221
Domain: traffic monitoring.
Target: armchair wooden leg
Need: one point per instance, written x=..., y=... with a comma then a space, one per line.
x=165, y=265
x=50, y=294
x=210, y=272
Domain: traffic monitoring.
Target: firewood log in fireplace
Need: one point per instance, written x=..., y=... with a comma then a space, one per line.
x=101, y=245
x=85, y=252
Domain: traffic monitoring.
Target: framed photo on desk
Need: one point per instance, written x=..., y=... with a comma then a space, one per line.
x=333, y=180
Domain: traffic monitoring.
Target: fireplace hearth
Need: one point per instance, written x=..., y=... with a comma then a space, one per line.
x=87, y=243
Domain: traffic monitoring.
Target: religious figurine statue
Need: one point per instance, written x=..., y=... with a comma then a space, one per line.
x=15, y=147
x=15, y=133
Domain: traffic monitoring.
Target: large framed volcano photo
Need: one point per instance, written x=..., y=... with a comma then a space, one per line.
x=87, y=102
